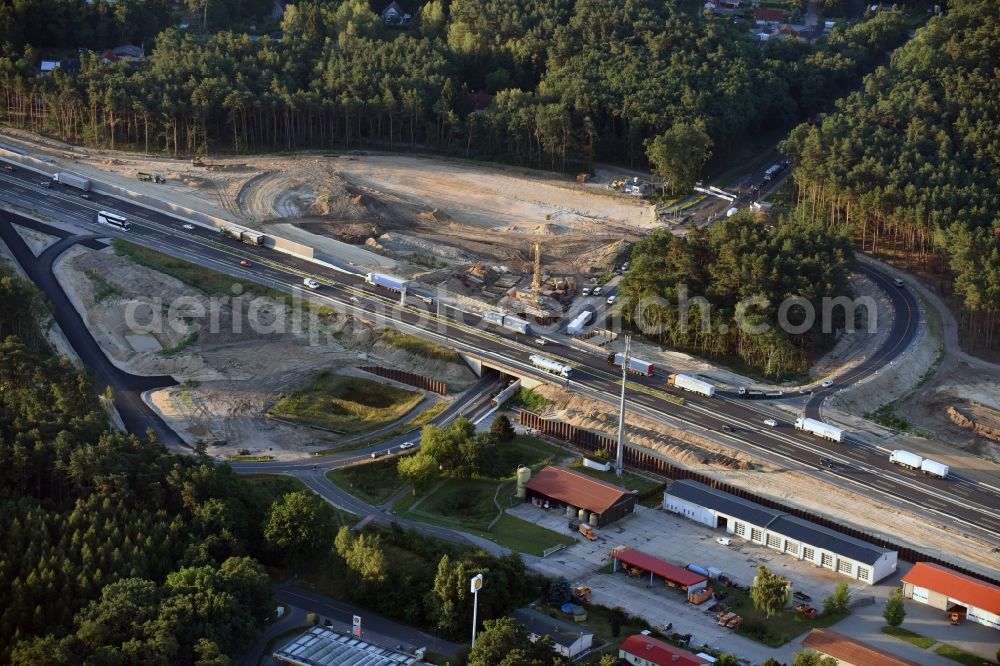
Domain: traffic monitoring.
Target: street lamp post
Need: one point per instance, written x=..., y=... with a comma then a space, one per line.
x=475, y=584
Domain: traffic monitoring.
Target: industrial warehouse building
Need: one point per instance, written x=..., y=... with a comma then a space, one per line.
x=849, y=652
x=567, y=639
x=793, y=536
x=953, y=592
x=322, y=646
x=603, y=503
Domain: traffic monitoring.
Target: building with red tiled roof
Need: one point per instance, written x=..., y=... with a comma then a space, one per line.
x=678, y=576
x=765, y=15
x=849, y=652
x=648, y=651
x=562, y=487
x=949, y=590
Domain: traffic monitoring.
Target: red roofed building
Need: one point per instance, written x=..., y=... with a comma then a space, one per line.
x=949, y=590
x=849, y=652
x=636, y=561
x=648, y=651
x=765, y=15
x=563, y=487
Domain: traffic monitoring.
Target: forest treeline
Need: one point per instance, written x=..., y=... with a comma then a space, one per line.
x=571, y=80
x=909, y=164
x=718, y=293
x=115, y=551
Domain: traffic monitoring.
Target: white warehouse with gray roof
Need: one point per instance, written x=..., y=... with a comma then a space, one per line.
x=780, y=531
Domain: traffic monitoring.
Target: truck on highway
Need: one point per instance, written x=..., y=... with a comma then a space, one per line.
x=251, y=237
x=390, y=282
x=72, y=180
x=690, y=384
x=635, y=365
x=824, y=430
x=510, y=322
x=905, y=459
x=576, y=326
x=548, y=365
x=934, y=468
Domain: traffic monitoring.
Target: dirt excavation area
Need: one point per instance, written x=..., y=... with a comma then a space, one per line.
x=234, y=355
x=785, y=484
x=427, y=212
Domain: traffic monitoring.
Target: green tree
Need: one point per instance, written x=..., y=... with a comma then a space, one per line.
x=608, y=660
x=678, y=155
x=769, y=591
x=500, y=641
x=420, y=470
x=209, y=654
x=810, y=658
x=502, y=429
x=839, y=600
x=300, y=524
x=450, y=595
x=895, y=610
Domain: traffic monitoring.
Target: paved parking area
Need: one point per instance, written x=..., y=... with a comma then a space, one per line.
x=681, y=542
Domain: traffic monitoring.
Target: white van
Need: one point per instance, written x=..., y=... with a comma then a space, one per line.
x=312, y=284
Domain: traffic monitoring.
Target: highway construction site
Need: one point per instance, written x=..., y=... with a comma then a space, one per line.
x=437, y=221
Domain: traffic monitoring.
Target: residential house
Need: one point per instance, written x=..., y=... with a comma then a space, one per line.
x=568, y=639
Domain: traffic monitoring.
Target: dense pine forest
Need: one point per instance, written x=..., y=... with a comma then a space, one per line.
x=909, y=164
x=565, y=81
x=707, y=275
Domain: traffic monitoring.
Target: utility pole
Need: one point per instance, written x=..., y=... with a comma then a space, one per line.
x=620, y=458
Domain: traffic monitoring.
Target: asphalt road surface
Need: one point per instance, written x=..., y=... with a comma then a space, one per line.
x=857, y=466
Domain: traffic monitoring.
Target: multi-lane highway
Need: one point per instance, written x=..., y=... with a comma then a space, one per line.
x=738, y=422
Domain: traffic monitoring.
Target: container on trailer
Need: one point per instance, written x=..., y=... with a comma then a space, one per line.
x=691, y=384
x=576, y=326
x=389, y=282
x=906, y=459
x=72, y=180
x=819, y=428
x=935, y=468
x=635, y=365
x=252, y=237
x=516, y=324
x=493, y=318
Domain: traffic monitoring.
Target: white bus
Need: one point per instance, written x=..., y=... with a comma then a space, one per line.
x=104, y=217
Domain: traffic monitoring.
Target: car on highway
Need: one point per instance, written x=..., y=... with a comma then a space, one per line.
x=596, y=292
x=376, y=454
x=189, y=227
x=611, y=300
x=771, y=422
x=309, y=282
x=7, y=167
x=540, y=341
x=828, y=383
x=245, y=264
x=85, y=196
x=586, y=291
x=826, y=462
x=897, y=282
x=354, y=299
x=407, y=445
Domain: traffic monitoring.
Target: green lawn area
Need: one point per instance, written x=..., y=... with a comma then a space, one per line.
x=199, y=277
x=961, y=656
x=649, y=491
x=910, y=637
x=419, y=346
x=467, y=504
x=599, y=621
x=346, y=404
x=373, y=482
x=778, y=629
x=523, y=450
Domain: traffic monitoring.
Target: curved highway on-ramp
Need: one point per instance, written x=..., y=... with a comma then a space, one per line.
x=860, y=467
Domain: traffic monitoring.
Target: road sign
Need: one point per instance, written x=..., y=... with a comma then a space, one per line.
x=356, y=626
x=476, y=584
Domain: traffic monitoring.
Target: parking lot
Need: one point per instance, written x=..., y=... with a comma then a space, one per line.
x=681, y=542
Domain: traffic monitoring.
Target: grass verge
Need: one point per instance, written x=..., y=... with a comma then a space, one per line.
x=199, y=277
x=910, y=637
x=419, y=346
x=347, y=404
x=467, y=504
x=778, y=629
x=373, y=482
x=961, y=656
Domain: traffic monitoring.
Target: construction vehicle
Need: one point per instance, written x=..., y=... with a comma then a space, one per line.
x=150, y=177
x=588, y=532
